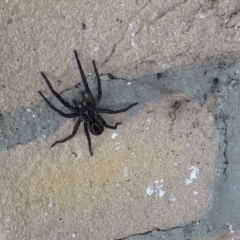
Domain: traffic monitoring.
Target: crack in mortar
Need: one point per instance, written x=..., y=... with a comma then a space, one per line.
x=184, y=230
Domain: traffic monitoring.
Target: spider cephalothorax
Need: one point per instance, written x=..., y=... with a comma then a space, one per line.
x=86, y=111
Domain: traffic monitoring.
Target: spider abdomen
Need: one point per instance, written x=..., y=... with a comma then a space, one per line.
x=95, y=127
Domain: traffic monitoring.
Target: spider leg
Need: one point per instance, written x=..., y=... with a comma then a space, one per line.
x=66, y=115
x=103, y=110
x=75, y=103
x=99, y=96
x=83, y=76
x=66, y=104
x=77, y=124
x=83, y=96
x=88, y=138
x=106, y=125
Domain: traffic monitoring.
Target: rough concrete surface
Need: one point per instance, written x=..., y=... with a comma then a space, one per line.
x=171, y=170
x=134, y=183
x=126, y=38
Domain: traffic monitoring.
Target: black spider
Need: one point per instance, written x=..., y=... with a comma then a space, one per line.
x=86, y=110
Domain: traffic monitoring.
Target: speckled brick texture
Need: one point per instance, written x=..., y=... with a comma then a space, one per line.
x=157, y=170
x=154, y=171
x=126, y=38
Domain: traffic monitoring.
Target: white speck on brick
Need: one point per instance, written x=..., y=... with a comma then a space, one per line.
x=129, y=83
x=50, y=203
x=193, y=175
x=161, y=193
x=231, y=229
x=157, y=188
x=202, y=15
x=114, y=135
x=149, y=191
x=195, y=192
x=131, y=25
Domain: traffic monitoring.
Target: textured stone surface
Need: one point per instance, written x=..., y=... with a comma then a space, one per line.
x=127, y=38
x=157, y=173
x=144, y=175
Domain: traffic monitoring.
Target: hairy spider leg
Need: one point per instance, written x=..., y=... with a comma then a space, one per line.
x=83, y=77
x=88, y=138
x=103, y=110
x=66, y=115
x=66, y=104
x=76, y=126
x=106, y=125
x=99, y=96
x=75, y=103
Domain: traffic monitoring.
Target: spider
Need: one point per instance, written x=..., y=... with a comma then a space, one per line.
x=86, y=111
